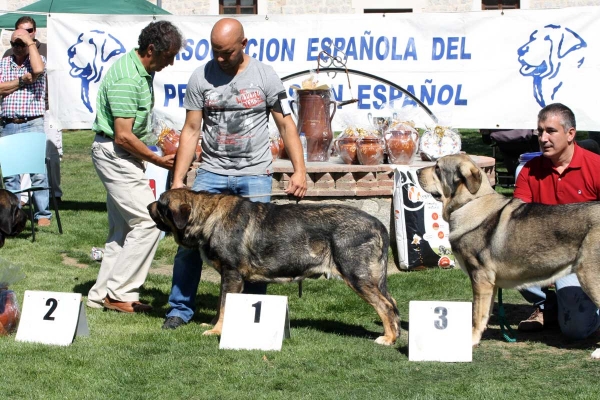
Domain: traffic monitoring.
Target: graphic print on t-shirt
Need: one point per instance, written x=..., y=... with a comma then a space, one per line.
x=233, y=112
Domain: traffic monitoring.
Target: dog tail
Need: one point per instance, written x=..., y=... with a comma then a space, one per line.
x=383, y=262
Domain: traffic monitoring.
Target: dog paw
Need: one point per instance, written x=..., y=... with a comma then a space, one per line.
x=385, y=341
x=596, y=354
x=211, y=332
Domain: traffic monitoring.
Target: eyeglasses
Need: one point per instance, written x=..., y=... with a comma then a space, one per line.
x=17, y=44
x=30, y=30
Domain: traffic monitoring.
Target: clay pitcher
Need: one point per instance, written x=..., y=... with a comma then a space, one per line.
x=402, y=145
x=314, y=117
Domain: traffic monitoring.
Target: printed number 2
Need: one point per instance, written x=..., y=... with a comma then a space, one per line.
x=257, y=305
x=52, y=303
x=442, y=323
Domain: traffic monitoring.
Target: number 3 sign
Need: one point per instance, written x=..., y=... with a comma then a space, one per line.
x=255, y=322
x=440, y=331
x=52, y=318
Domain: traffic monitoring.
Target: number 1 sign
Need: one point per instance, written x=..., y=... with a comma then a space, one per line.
x=440, y=331
x=255, y=322
x=52, y=318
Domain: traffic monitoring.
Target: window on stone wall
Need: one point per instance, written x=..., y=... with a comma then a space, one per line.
x=237, y=6
x=500, y=4
x=387, y=10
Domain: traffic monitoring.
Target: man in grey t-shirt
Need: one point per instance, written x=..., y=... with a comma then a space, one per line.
x=230, y=99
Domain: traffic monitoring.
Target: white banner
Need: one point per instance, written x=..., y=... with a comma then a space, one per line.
x=472, y=70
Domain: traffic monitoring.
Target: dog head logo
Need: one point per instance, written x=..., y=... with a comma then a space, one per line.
x=545, y=57
x=88, y=57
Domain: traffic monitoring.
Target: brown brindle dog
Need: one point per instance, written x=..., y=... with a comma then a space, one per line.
x=262, y=242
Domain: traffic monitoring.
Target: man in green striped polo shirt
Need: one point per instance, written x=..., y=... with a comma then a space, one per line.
x=124, y=106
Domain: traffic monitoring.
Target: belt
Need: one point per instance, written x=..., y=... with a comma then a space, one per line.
x=104, y=135
x=21, y=120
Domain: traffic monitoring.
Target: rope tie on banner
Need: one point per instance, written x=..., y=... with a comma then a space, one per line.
x=504, y=326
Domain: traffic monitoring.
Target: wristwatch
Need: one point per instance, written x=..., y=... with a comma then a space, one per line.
x=21, y=83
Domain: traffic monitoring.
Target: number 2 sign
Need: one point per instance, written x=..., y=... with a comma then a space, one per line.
x=51, y=318
x=255, y=322
x=440, y=331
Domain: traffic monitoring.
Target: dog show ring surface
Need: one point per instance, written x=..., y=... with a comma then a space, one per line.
x=52, y=318
x=255, y=322
x=440, y=331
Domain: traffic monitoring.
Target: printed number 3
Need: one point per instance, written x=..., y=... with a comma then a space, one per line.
x=52, y=303
x=257, y=306
x=442, y=323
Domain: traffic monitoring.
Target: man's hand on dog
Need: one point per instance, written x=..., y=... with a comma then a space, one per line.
x=297, y=185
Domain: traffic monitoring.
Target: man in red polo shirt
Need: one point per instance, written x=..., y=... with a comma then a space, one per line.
x=565, y=173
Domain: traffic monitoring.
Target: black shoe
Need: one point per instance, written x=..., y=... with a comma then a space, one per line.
x=173, y=323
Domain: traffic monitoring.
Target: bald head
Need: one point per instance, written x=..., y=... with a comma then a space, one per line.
x=228, y=43
x=227, y=29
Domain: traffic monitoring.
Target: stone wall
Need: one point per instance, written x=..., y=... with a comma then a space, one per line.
x=210, y=7
x=203, y=7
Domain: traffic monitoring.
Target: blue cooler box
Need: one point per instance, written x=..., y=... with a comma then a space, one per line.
x=523, y=158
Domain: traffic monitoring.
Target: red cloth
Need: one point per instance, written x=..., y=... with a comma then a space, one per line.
x=539, y=182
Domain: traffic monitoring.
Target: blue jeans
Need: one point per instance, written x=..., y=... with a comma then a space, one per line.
x=188, y=263
x=578, y=316
x=41, y=199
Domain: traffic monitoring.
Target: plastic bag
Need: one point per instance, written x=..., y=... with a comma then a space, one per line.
x=422, y=235
x=439, y=141
x=168, y=139
x=9, y=307
x=276, y=143
x=312, y=83
x=355, y=127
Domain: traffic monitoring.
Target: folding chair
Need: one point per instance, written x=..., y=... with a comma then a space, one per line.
x=25, y=153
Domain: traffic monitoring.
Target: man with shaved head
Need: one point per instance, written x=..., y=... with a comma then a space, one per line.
x=229, y=101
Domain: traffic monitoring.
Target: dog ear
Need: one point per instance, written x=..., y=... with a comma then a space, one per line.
x=111, y=47
x=569, y=41
x=471, y=175
x=181, y=215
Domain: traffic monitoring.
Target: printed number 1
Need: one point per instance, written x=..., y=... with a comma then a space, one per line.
x=52, y=303
x=257, y=305
x=442, y=323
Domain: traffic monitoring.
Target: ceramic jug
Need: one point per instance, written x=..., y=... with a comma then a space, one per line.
x=314, y=113
x=402, y=144
x=370, y=150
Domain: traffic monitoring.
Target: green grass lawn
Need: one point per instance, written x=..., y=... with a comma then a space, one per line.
x=330, y=355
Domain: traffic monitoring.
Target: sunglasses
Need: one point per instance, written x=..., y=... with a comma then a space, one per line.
x=17, y=44
x=30, y=30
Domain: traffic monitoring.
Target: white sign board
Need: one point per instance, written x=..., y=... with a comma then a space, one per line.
x=255, y=322
x=440, y=331
x=483, y=69
x=52, y=318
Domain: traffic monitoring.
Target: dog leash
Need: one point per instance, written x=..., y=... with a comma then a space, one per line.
x=504, y=326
